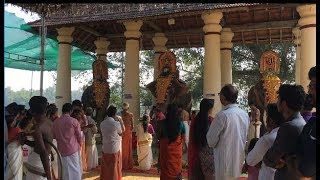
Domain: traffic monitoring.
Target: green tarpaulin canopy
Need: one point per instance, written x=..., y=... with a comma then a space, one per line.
x=22, y=49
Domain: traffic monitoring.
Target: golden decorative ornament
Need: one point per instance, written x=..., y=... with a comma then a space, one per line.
x=162, y=87
x=100, y=90
x=271, y=84
x=100, y=84
x=270, y=63
x=167, y=59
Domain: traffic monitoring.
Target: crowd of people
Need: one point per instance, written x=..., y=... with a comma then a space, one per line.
x=219, y=146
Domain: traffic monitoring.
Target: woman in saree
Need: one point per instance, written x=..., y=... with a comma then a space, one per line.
x=200, y=160
x=171, y=141
x=144, y=135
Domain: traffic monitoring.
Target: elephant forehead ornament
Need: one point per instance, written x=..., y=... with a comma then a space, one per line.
x=269, y=68
x=167, y=67
x=100, y=84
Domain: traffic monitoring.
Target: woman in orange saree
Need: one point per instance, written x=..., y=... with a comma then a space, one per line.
x=171, y=142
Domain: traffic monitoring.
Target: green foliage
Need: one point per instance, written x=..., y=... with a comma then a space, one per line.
x=23, y=96
x=245, y=65
x=115, y=95
x=190, y=66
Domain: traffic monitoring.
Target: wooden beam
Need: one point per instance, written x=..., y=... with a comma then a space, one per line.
x=153, y=25
x=264, y=25
x=235, y=28
x=90, y=30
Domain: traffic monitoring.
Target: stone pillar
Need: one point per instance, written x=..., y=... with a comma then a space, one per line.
x=212, y=71
x=307, y=23
x=159, y=41
x=102, y=48
x=63, y=88
x=297, y=41
x=225, y=50
x=131, y=79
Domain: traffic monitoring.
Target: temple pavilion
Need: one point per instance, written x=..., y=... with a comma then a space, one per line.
x=130, y=28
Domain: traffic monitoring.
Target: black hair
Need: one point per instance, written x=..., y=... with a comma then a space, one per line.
x=111, y=111
x=274, y=114
x=294, y=95
x=74, y=112
x=252, y=143
x=202, y=122
x=51, y=110
x=77, y=103
x=230, y=93
x=21, y=108
x=24, y=122
x=193, y=112
x=9, y=119
x=312, y=73
x=145, y=122
x=38, y=105
x=12, y=108
x=67, y=108
x=172, y=122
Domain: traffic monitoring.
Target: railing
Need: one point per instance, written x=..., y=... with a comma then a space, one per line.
x=21, y=58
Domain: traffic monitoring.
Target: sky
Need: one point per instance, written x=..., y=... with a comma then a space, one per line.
x=18, y=79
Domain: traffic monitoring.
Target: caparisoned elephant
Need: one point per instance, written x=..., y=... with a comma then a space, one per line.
x=88, y=100
x=168, y=88
x=97, y=95
x=177, y=92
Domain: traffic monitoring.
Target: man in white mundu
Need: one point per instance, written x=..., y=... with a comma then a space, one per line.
x=14, y=163
x=227, y=135
x=67, y=132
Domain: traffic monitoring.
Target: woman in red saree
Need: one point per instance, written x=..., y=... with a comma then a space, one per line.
x=171, y=141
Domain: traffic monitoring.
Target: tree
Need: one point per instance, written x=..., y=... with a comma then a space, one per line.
x=246, y=62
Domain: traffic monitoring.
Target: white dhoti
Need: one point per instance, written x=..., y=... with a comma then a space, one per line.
x=92, y=157
x=14, y=166
x=186, y=125
x=35, y=167
x=72, y=169
x=54, y=163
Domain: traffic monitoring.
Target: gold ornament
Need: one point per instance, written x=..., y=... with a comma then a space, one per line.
x=271, y=84
x=162, y=87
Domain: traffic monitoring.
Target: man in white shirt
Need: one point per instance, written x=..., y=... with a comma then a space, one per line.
x=227, y=135
x=111, y=131
x=255, y=156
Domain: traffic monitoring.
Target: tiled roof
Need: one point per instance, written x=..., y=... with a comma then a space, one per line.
x=75, y=13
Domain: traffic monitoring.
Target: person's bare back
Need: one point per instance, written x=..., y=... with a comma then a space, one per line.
x=45, y=128
x=42, y=132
